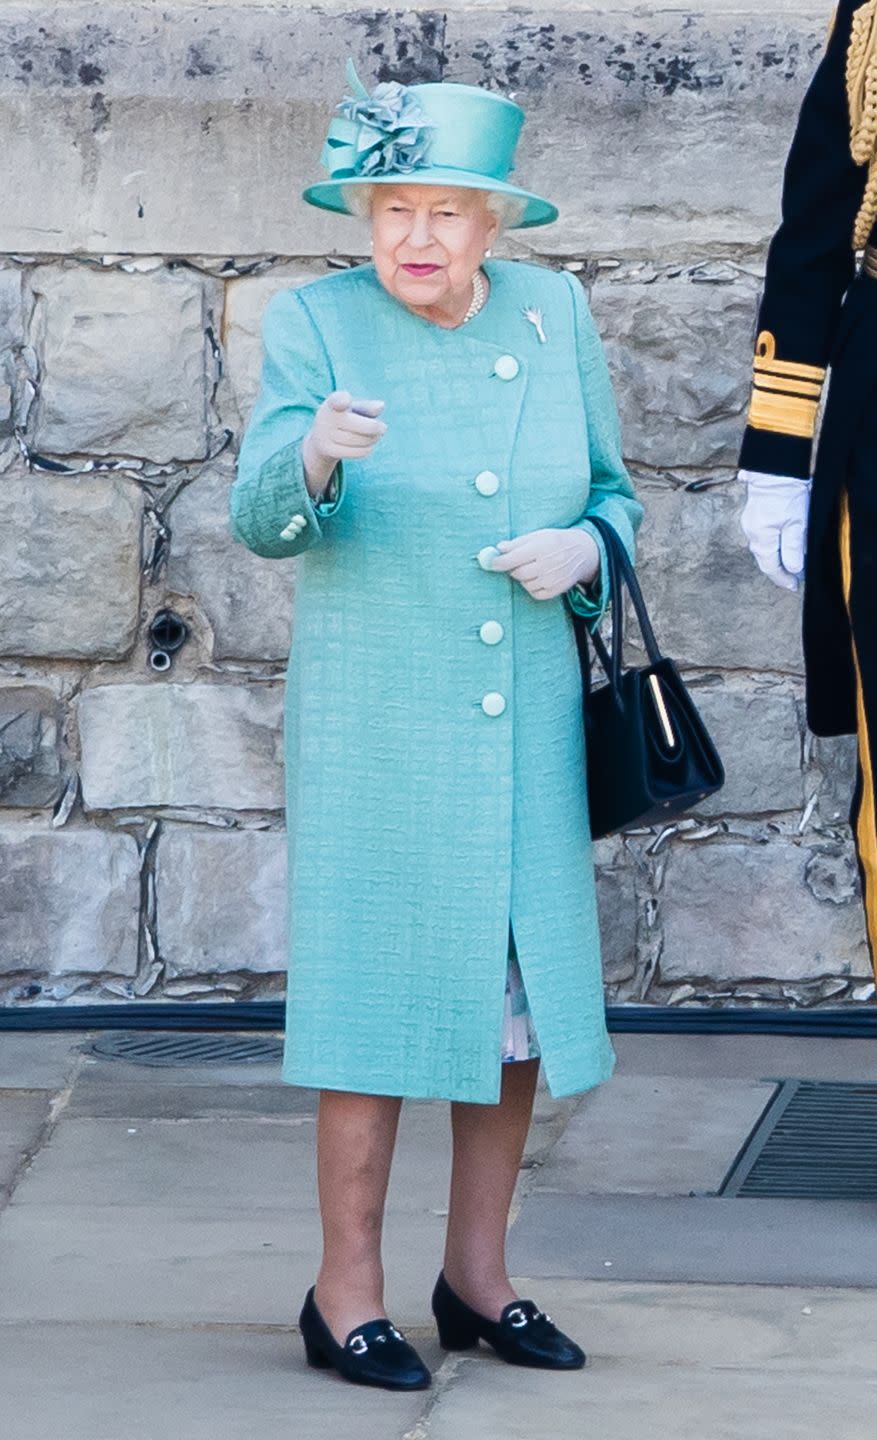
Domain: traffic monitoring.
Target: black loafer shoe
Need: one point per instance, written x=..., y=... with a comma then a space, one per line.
x=523, y=1335
x=373, y=1354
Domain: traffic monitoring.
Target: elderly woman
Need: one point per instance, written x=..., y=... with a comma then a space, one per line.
x=432, y=434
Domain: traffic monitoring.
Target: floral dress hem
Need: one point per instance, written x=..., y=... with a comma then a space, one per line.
x=519, y=1040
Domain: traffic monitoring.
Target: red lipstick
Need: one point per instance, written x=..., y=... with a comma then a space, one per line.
x=421, y=271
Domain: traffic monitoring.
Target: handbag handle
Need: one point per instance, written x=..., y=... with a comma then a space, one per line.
x=612, y=663
x=622, y=571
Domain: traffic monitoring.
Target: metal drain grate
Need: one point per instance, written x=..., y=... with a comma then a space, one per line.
x=817, y=1140
x=175, y=1048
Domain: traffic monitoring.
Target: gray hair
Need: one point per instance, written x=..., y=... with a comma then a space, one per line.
x=508, y=209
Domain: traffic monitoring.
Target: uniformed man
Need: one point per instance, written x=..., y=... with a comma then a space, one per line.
x=819, y=310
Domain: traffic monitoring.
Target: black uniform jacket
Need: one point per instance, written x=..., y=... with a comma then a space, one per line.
x=817, y=312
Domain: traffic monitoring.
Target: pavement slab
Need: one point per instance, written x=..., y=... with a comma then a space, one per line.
x=746, y=1057
x=736, y=1242
x=23, y=1113
x=264, y=1165
x=101, y=1097
x=714, y=1326
x=184, y=1265
x=490, y=1401
x=37, y=1061
x=199, y=1221
x=245, y=1164
x=677, y=1139
x=88, y=1382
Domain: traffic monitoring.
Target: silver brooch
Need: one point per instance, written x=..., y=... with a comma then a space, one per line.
x=534, y=316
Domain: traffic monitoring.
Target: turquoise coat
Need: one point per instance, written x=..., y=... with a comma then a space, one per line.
x=419, y=823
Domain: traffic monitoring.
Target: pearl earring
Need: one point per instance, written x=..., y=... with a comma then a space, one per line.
x=487, y=254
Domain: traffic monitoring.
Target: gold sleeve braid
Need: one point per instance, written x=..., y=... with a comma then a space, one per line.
x=785, y=393
x=861, y=74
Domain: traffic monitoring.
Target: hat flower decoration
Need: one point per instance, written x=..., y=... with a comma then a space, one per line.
x=393, y=131
x=436, y=133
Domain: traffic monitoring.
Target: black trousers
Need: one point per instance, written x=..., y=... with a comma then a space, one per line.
x=858, y=547
x=840, y=604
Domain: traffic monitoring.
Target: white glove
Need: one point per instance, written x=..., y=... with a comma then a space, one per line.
x=549, y=562
x=343, y=429
x=774, y=522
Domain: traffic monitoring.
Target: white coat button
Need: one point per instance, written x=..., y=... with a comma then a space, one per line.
x=487, y=483
x=493, y=703
x=491, y=632
x=487, y=556
x=506, y=367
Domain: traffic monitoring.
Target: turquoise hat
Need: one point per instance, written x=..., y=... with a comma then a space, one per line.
x=438, y=134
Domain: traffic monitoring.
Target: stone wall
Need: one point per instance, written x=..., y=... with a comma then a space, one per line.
x=150, y=166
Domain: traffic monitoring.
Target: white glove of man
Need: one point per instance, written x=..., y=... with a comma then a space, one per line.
x=343, y=429
x=774, y=522
x=549, y=562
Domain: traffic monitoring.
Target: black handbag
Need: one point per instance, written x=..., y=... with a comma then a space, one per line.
x=649, y=754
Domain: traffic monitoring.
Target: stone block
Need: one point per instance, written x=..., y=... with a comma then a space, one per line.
x=677, y=123
x=247, y=600
x=679, y=353
x=70, y=901
x=69, y=566
x=836, y=758
x=245, y=300
x=11, y=332
x=617, y=905
x=30, y=768
x=123, y=363
x=10, y=335
x=832, y=873
x=240, y=159
x=735, y=912
x=221, y=901
x=161, y=743
x=755, y=727
x=710, y=604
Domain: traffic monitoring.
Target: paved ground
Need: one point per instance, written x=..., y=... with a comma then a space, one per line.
x=157, y=1233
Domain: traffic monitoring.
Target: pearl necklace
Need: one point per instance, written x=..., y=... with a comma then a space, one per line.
x=479, y=295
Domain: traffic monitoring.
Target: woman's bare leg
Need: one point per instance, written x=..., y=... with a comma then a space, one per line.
x=356, y=1135
x=488, y=1147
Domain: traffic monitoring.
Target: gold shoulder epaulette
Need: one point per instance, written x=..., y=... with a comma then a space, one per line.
x=785, y=393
